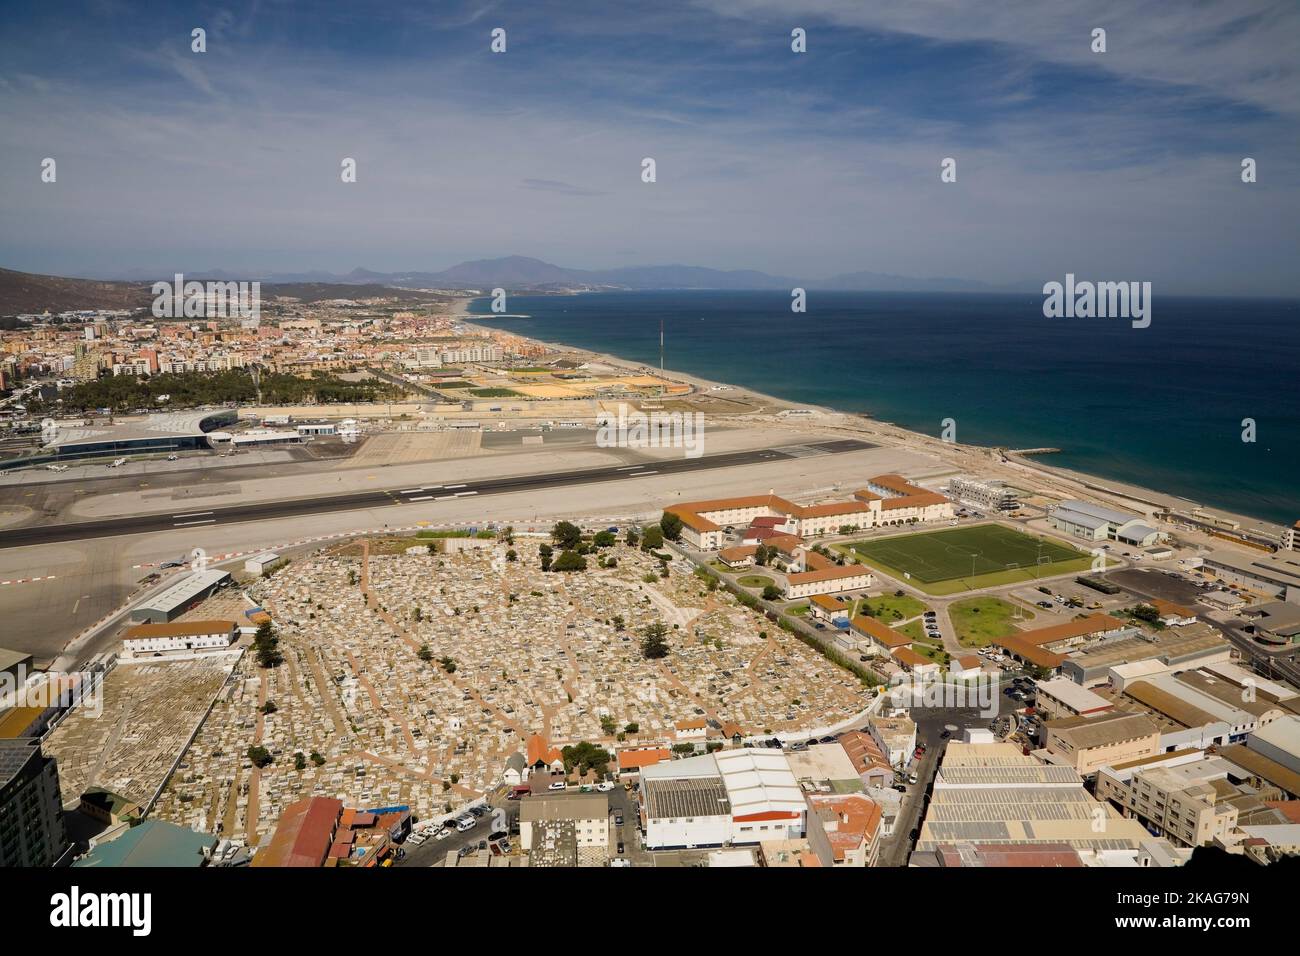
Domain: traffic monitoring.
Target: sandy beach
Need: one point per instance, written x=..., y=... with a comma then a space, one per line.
x=1012, y=467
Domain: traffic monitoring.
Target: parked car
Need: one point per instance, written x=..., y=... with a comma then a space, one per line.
x=558, y=785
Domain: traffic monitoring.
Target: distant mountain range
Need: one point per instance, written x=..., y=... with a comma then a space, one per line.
x=26, y=292
x=525, y=273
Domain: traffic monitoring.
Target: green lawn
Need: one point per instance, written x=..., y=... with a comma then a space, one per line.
x=933, y=652
x=754, y=581
x=887, y=608
x=912, y=629
x=981, y=620
x=959, y=559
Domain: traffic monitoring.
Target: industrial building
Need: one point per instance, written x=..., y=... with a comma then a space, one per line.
x=1140, y=654
x=180, y=597
x=734, y=796
x=1279, y=742
x=1086, y=743
x=1277, y=622
x=993, y=796
x=261, y=563
x=1277, y=575
x=152, y=843
x=1060, y=697
x=1097, y=523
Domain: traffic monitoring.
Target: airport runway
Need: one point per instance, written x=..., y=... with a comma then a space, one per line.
x=297, y=507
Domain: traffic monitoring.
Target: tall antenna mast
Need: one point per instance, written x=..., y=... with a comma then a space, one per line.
x=661, y=358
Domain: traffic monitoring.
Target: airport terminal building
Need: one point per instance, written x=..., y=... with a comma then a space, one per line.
x=149, y=434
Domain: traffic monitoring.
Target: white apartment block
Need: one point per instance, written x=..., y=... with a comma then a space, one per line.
x=990, y=495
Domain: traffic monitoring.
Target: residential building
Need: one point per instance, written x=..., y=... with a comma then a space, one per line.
x=32, y=831
x=586, y=813
x=990, y=495
x=896, y=737
x=844, y=829
x=1185, y=795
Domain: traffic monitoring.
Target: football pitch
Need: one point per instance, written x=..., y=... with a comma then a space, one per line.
x=980, y=556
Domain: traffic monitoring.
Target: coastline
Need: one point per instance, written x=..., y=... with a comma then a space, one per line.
x=1118, y=492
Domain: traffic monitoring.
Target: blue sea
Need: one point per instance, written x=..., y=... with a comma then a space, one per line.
x=1161, y=407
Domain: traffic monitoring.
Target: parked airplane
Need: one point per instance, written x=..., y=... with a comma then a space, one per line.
x=56, y=467
x=118, y=463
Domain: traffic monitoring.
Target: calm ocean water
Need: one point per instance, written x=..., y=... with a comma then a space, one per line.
x=1160, y=407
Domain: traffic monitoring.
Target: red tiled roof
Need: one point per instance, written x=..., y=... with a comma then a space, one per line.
x=885, y=635
x=638, y=757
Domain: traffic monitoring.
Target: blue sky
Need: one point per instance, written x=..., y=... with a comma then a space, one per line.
x=1122, y=165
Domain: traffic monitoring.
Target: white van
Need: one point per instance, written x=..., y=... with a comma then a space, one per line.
x=465, y=823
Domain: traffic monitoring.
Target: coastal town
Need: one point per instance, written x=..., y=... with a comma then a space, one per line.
x=402, y=602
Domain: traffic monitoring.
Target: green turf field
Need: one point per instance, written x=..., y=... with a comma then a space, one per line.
x=942, y=562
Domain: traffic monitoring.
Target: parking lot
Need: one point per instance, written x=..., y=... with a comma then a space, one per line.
x=432, y=852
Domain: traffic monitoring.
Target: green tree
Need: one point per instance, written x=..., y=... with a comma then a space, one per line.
x=585, y=756
x=259, y=756
x=652, y=537
x=424, y=653
x=632, y=537
x=654, y=641
x=570, y=561
x=671, y=526
x=267, y=646
x=567, y=535
x=771, y=592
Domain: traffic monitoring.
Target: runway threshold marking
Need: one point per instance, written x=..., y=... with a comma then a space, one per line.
x=186, y=524
x=193, y=514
